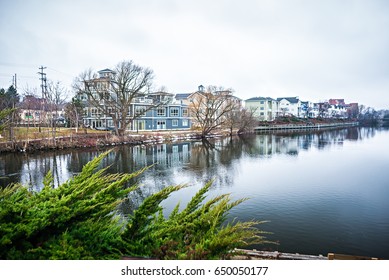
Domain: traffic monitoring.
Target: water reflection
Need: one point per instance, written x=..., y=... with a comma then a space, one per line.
x=204, y=160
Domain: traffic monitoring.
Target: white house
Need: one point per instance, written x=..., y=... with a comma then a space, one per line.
x=290, y=106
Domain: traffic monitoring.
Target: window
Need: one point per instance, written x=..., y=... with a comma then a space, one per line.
x=174, y=122
x=185, y=123
x=161, y=112
x=262, y=108
x=262, y=113
x=262, y=102
x=174, y=112
x=185, y=112
x=140, y=111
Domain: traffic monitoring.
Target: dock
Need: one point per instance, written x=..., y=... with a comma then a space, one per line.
x=318, y=126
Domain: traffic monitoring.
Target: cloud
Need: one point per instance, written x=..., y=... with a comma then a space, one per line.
x=313, y=49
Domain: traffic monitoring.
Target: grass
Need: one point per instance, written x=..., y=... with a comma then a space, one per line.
x=22, y=133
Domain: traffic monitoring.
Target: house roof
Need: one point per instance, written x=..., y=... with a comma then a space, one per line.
x=336, y=102
x=290, y=99
x=105, y=71
x=259, y=98
x=182, y=95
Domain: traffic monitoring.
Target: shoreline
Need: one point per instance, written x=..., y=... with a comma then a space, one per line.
x=101, y=140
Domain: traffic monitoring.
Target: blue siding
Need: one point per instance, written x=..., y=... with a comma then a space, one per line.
x=151, y=120
x=171, y=120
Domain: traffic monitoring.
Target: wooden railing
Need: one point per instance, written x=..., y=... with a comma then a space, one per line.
x=303, y=126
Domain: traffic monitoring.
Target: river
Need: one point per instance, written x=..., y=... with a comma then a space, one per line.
x=320, y=192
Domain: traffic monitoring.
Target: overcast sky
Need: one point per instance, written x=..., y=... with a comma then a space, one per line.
x=316, y=50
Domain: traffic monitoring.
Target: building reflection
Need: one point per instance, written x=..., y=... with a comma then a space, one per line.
x=196, y=161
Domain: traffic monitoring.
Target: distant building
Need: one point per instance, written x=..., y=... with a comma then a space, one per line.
x=265, y=108
x=336, y=109
x=200, y=97
x=352, y=110
x=307, y=109
x=290, y=106
x=336, y=102
x=39, y=111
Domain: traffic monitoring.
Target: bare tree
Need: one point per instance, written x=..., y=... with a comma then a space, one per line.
x=29, y=106
x=247, y=120
x=241, y=119
x=323, y=109
x=210, y=108
x=368, y=115
x=232, y=120
x=115, y=94
x=73, y=112
x=55, y=97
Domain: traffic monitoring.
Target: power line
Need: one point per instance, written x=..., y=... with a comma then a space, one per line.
x=63, y=73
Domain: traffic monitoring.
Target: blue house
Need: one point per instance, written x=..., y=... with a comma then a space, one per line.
x=147, y=111
x=172, y=115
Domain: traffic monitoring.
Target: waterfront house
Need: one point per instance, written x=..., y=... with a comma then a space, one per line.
x=265, y=108
x=172, y=115
x=150, y=111
x=289, y=106
x=335, y=108
x=208, y=104
x=353, y=110
x=307, y=109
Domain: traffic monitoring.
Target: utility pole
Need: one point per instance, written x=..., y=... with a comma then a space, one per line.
x=43, y=81
x=44, y=93
x=14, y=82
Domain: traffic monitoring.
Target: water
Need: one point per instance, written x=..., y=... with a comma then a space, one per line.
x=321, y=192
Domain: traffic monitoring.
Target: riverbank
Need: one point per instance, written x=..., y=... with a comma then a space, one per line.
x=102, y=139
x=99, y=139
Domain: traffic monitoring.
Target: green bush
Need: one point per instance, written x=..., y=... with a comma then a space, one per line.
x=79, y=220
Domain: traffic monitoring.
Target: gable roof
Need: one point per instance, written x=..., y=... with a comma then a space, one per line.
x=290, y=99
x=259, y=98
x=336, y=102
x=180, y=96
x=106, y=70
x=253, y=99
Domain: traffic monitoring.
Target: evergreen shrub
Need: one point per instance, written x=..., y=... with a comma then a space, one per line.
x=80, y=220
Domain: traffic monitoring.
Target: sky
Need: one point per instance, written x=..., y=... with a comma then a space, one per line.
x=315, y=50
